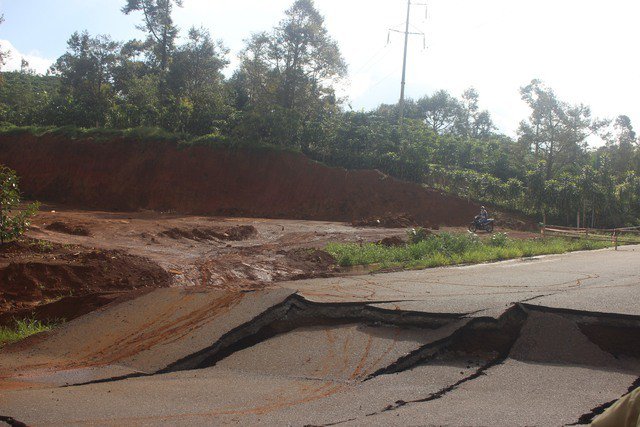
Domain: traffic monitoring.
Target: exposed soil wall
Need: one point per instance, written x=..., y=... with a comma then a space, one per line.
x=130, y=175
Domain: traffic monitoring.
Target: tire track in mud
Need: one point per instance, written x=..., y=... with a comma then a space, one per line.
x=161, y=329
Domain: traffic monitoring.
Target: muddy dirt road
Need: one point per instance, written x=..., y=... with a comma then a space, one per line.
x=543, y=341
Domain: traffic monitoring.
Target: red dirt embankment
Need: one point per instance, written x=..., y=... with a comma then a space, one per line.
x=129, y=175
x=68, y=277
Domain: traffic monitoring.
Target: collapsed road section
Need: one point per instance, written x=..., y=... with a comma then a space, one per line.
x=273, y=357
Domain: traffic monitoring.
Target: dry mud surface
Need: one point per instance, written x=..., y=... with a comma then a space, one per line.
x=247, y=321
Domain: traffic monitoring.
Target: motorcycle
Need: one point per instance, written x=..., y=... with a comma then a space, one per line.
x=479, y=224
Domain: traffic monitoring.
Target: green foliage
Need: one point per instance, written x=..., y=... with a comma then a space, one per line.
x=13, y=221
x=158, y=24
x=450, y=249
x=41, y=245
x=417, y=234
x=286, y=79
x=23, y=329
x=499, y=239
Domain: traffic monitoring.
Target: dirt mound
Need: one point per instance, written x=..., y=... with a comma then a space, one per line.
x=392, y=241
x=67, y=308
x=387, y=221
x=237, y=233
x=163, y=176
x=73, y=229
x=310, y=260
x=514, y=221
x=35, y=272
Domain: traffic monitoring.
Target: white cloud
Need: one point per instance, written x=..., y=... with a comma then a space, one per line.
x=15, y=57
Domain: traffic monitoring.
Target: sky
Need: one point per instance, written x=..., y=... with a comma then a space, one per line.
x=585, y=50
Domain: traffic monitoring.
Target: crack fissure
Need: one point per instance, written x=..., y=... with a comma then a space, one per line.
x=297, y=312
x=12, y=421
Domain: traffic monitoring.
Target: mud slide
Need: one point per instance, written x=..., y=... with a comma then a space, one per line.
x=129, y=175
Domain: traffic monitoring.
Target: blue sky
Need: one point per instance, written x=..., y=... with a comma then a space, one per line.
x=586, y=50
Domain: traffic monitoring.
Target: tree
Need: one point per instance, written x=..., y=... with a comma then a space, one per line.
x=621, y=146
x=13, y=222
x=158, y=24
x=86, y=77
x=439, y=111
x=25, y=98
x=471, y=121
x=289, y=75
x=556, y=131
x=3, y=53
x=195, y=82
x=307, y=57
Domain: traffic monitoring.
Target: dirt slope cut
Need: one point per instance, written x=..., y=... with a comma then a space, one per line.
x=130, y=175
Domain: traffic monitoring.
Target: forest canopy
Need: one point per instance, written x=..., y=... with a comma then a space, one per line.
x=284, y=93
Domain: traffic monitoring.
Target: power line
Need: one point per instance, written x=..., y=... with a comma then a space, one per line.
x=373, y=60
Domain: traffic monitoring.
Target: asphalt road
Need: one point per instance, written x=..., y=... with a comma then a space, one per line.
x=541, y=341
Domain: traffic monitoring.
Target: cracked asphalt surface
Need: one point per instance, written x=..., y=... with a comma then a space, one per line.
x=542, y=341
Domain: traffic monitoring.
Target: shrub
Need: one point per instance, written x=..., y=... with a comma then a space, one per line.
x=13, y=221
x=417, y=234
x=22, y=329
x=499, y=239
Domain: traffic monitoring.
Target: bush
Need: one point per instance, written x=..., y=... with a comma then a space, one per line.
x=13, y=221
x=417, y=234
x=499, y=239
x=23, y=329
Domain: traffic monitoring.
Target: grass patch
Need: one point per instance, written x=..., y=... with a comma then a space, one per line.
x=22, y=329
x=139, y=134
x=451, y=249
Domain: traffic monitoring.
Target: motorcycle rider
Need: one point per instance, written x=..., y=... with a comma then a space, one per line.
x=484, y=215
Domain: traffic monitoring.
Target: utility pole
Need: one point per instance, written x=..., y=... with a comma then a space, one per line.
x=406, y=33
x=404, y=63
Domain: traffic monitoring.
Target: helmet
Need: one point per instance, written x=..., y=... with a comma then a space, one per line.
x=481, y=207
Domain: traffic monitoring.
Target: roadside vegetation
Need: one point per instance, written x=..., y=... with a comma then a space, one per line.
x=454, y=248
x=13, y=220
x=22, y=329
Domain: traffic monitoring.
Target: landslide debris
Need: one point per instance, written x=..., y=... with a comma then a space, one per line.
x=72, y=229
x=387, y=221
x=313, y=262
x=34, y=272
x=236, y=233
x=255, y=268
x=392, y=241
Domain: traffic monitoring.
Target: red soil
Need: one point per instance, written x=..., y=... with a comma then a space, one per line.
x=131, y=175
x=32, y=272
